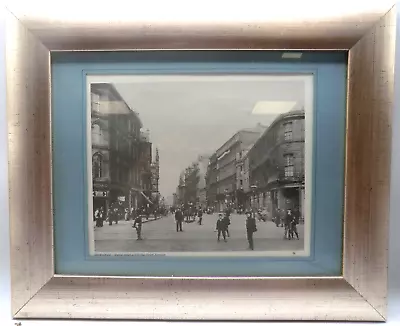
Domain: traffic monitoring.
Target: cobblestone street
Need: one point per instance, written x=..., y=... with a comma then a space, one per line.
x=161, y=236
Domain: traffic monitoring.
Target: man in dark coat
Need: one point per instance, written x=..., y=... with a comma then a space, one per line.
x=251, y=227
x=138, y=226
x=288, y=225
x=179, y=219
x=200, y=215
x=295, y=222
x=221, y=227
x=227, y=221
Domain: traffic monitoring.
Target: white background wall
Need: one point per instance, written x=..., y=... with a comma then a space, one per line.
x=5, y=319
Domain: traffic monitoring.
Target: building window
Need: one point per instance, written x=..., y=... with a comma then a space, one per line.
x=95, y=99
x=97, y=165
x=288, y=131
x=289, y=165
x=96, y=134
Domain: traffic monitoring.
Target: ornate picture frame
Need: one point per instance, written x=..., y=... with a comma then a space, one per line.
x=359, y=294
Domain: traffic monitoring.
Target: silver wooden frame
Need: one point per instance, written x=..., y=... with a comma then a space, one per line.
x=359, y=294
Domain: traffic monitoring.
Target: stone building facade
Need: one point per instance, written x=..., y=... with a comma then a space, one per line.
x=222, y=170
x=276, y=165
x=118, y=150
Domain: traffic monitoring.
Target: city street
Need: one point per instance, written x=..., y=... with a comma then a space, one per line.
x=161, y=236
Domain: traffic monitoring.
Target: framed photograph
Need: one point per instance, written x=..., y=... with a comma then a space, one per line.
x=194, y=166
x=192, y=181
x=187, y=148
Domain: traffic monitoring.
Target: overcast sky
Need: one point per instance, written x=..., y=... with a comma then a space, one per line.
x=196, y=116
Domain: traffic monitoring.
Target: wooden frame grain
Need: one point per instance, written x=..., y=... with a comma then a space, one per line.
x=360, y=294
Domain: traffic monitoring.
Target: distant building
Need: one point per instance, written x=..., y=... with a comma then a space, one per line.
x=117, y=149
x=181, y=189
x=211, y=182
x=276, y=163
x=201, y=185
x=223, y=166
x=175, y=199
x=146, y=175
x=243, y=178
x=155, y=177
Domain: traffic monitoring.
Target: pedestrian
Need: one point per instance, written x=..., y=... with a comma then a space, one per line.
x=178, y=220
x=137, y=224
x=277, y=218
x=295, y=222
x=100, y=219
x=108, y=216
x=111, y=215
x=282, y=216
x=126, y=214
x=227, y=222
x=221, y=227
x=288, y=225
x=97, y=217
x=251, y=227
x=200, y=215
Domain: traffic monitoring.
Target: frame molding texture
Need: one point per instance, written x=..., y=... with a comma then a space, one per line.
x=359, y=295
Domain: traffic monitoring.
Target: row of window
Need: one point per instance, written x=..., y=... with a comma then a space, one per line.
x=271, y=138
x=289, y=165
x=123, y=172
x=288, y=129
x=124, y=123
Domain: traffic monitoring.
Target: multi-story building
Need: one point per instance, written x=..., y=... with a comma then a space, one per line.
x=191, y=181
x=175, y=199
x=201, y=185
x=117, y=149
x=225, y=165
x=146, y=175
x=277, y=165
x=243, y=178
x=155, y=177
x=211, y=182
x=181, y=189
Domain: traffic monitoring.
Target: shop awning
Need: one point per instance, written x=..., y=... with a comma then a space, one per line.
x=147, y=198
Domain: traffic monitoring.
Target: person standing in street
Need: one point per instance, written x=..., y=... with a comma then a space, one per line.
x=221, y=227
x=251, y=227
x=288, y=225
x=138, y=226
x=200, y=215
x=178, y=220
x=282, y=217
x=227, y=222
x=100, y=220
x=277, y=218
x=295, y=222
x=97, y=216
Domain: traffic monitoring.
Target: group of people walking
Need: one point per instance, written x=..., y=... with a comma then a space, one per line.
x=190, y=215
x=224, y=221
x=222, y=224
x=118, y=212
x=290, y=223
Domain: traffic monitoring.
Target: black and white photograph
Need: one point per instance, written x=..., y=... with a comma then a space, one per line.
x=200, y=164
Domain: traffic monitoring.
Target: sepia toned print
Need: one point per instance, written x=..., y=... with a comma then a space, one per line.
x=200, y=165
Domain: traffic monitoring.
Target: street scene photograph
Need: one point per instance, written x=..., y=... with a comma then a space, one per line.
x=200, y=164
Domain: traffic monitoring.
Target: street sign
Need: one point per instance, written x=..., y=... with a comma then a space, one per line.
x=100, y=193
